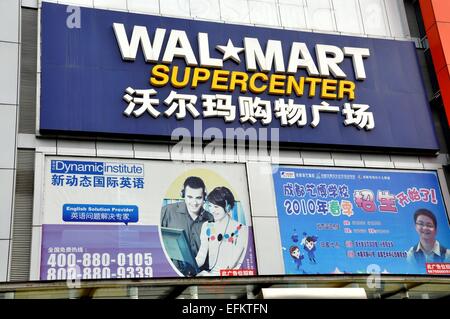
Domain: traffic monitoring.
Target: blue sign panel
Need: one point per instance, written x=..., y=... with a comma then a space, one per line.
x=100, y=213
x=95, y=168
x=361, y=221
x=106, y=72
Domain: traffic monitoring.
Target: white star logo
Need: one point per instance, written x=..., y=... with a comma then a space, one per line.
x=230, y=51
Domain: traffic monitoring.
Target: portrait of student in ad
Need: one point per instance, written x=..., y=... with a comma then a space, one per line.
x=428, y=249
x=207, y=233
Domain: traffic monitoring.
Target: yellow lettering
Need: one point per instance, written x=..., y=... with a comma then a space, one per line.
x=220, y=77
x=346, y=88
x=174, y=77
x=200, y=75
x=276, y=84
x=251, y=85
x=328, y=89
x=298, y=86
x=312, y=87
x=160, y=75
x=238, y=78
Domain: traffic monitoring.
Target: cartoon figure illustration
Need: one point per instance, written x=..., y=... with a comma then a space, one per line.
x=296, y=256
x=309, y=245
x=294, y=236
x=303, y=239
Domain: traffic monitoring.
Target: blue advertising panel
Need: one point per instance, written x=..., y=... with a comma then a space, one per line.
x=106, y=72
x=343, y=221
x=109, y=219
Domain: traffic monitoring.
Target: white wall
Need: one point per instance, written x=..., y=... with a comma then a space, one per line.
x=9, y=100
x=372, y=18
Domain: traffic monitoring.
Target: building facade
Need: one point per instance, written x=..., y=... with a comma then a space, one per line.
x=341, y=157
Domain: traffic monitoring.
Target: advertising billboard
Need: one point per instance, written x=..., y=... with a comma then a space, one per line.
x=108, y=218
x=358, y=221
x=117, y=73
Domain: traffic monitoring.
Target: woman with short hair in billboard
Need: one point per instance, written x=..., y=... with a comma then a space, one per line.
x=223, y=241
x=428, y=249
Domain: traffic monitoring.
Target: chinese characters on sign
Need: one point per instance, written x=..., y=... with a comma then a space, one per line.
x=250, y=109
x=362, y=198
x=97, y=181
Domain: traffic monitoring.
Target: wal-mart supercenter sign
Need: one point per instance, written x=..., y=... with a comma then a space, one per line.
x=140, y=75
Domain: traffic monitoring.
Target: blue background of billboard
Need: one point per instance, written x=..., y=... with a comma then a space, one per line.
x=400, y=225
x=83, y=81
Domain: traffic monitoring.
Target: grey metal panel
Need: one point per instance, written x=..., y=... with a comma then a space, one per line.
x=113, y=149
x=431, y=162
x=26, y=141
x=411, y=19
x=317, y=158
x=268, y=246
x=30, y=3
x=4, y=252
x=27, y=107
x=47, y=146
x=23, y=216
x=6, y=188
x=425, y=73
x=377, y=160
x=9, y=59
x=441, y=128
x=8, y=135
x=9, y=20
x=149, y=6
x=398, y=24
x=347, y=159
x=29, y=40
x=109, y=4
x=408, y=162
x=445, y=189
x=260, y=184
x=142, y=150
x=82, y=3
x=35, y=259
x=74, y=147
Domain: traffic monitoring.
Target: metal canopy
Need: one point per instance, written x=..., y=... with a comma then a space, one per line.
x=394, y=287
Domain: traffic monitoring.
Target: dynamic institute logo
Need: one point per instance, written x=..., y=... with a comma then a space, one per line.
x=96, y=174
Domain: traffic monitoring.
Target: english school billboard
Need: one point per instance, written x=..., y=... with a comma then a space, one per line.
x=107, y=218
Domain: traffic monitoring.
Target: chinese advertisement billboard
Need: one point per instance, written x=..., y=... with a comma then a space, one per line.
x=351, y=221
x=108, y=218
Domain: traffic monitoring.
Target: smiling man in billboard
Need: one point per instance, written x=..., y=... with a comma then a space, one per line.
x=428, y=249
x=188, y=215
